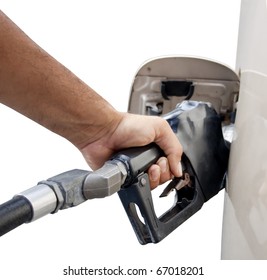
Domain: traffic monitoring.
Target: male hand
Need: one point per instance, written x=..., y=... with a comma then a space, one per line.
x=129, y=130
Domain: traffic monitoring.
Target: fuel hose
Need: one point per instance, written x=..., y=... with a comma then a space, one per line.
x=14, y=213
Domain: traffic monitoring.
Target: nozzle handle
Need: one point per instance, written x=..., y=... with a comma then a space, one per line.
x=137, y=160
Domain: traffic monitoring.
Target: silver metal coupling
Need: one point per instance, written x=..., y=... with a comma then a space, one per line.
x=42, y=199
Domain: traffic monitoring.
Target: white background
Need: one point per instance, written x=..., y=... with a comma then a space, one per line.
x=104, y=43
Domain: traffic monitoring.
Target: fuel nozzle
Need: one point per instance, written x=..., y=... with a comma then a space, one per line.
x=205, y=159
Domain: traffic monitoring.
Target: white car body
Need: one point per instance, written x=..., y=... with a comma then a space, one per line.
x=245, y=211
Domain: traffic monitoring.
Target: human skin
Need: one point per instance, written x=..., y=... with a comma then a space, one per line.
x=35, y=84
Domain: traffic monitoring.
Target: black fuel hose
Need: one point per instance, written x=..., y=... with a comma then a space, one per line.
x=14, y=213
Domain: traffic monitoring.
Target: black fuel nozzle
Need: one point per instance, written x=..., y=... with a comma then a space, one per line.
x=204, y=163
x=205, y=159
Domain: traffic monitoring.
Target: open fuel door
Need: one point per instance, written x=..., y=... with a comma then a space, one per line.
x=162, y=83
x=198, y=98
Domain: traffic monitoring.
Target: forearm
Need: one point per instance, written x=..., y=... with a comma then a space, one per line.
x=36, y=85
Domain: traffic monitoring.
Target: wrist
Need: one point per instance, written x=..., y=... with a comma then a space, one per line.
x=97, y=128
